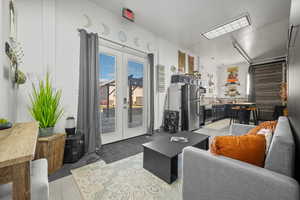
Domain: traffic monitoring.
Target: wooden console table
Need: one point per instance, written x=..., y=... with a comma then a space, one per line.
x=17, y=148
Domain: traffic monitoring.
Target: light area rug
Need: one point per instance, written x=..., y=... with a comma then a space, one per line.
x=218, y=128
x=124, y=180
x=219, y=125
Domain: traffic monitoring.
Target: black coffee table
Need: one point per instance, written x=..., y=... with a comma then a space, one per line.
x=161, y=155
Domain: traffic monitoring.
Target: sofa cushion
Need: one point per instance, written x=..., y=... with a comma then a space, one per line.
x=281, y=155
x=264, y=125
x=247, y=148
x=268, y=135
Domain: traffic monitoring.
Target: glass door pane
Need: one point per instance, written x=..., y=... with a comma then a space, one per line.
x=136, y=93
x=107, y=93
x=110, y=63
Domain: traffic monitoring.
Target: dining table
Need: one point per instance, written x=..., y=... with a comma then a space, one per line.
x=242, y=112
x=17, y=149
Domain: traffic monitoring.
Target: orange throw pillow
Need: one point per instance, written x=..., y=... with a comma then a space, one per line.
x=247, y=148
x=254, y=131
x=268, y=125
x=264, y=125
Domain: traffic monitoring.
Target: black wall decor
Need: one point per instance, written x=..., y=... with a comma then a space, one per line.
x=7, y=49
x=294, y=82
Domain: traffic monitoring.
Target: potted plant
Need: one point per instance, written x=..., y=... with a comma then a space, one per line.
x=45, y=106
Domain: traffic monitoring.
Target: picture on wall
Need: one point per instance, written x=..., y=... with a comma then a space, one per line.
x=211, y=83
x=181, y=62
x=232, y=82
x=191, y=62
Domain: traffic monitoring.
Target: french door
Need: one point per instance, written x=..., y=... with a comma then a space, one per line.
x=123, y=94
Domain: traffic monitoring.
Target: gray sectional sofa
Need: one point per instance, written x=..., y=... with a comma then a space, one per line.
x=209, y=177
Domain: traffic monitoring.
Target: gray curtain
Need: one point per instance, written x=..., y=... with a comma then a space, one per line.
x=88, y=117
x=151, y=109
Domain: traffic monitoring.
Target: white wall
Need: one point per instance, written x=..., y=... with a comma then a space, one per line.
x=207, y=71
x=7, y=92
x=48, y=31
x=222, y=77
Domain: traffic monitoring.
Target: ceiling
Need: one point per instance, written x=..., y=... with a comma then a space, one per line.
x=183, y=21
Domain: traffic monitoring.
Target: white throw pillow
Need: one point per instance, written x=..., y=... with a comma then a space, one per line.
x=268, y=135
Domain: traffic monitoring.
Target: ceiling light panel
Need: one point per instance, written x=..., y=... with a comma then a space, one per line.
x=229, y=27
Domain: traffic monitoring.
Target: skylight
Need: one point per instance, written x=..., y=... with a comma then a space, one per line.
x=229, y=27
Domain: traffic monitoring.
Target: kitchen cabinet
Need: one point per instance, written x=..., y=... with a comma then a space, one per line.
x=201, y=115
x=218, y=112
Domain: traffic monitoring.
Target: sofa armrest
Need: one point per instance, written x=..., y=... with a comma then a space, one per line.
x=209, y=177
x=240, y=129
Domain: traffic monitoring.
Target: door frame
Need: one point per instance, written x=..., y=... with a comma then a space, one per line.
x=122, y=53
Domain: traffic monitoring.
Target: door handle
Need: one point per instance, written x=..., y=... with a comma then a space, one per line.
x=125, y=103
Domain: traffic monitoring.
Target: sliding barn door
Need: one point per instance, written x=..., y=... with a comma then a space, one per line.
x=267, y=79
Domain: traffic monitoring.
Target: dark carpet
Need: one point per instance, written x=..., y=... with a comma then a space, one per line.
x=108, y=153
x=123, y=149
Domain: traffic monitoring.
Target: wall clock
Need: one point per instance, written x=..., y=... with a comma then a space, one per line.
x=149, y=46
x=137, y=41
x=105, y=29
x=88, y=21
x=122, y=36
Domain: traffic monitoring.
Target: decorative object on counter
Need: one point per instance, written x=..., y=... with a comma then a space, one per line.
x=179, y=139
x=5, y=124
x=195, y=78
x=180, y=78
x=161, y=83
x=232, y=82
x=171, y=121
x=70, y=126
x=45, y=106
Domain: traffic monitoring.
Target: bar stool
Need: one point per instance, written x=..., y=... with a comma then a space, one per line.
x=234, y=114
x=254, y=112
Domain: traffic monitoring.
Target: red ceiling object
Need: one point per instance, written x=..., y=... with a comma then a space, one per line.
x=128, y=14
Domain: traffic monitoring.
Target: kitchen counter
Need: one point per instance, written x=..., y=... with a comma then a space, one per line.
x=218, y=111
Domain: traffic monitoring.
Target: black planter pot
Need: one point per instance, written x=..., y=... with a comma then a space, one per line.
x=5, y=126
x=46, y=132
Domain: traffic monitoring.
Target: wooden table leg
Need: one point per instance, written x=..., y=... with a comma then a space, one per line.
x=21, y=181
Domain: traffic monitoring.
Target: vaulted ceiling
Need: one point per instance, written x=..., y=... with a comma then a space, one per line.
x=183, y=21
